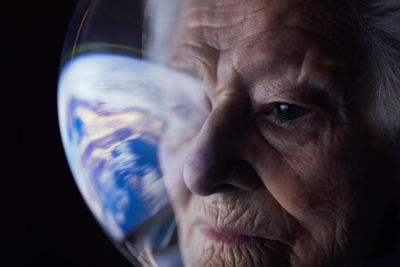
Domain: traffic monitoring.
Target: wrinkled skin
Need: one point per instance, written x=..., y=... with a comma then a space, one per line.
x=250, y=187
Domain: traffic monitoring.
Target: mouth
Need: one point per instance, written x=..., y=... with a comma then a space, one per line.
x=225, y=234
x=239, y=239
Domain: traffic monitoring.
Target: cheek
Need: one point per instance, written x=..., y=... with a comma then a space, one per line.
x=301, y=181
x=303, y=169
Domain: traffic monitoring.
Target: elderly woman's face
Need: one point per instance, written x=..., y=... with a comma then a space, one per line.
x=277, y=167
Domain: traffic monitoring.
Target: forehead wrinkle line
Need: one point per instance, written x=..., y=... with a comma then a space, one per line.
x=234, y=21
x=309, y=33
x=206, y=54
x=331, y=43
x=231, y=45
x=201, y=45
x=216, y=3
x=234, y=4
x=309, y=51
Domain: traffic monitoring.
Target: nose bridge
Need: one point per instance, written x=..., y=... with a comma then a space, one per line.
x=217, y=151
x=217, y=136
x=228, y=104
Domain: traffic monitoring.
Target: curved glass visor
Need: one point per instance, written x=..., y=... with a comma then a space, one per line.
x=121, y=109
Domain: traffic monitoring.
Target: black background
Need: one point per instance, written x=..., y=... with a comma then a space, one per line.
x=44, y=220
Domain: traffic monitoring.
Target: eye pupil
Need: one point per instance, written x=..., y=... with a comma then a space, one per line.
x=284, y=107
x=290, y=112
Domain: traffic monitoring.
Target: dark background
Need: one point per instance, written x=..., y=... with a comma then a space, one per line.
x=44, y=220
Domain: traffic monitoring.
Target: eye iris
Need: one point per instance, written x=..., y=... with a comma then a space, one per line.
x=287, y=111
x=284, y=107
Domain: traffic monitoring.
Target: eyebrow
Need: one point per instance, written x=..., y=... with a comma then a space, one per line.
x=315, y=95
x=322, y=99
x=325, y=99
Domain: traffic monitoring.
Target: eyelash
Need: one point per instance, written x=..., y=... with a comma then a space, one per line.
x=278, y=107
x=272, y=114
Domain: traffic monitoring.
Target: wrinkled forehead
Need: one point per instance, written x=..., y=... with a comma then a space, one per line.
x=223, y=23
x=267, y=36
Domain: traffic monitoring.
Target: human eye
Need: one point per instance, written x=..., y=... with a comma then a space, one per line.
x=281, y=112
x=286, y=120
x=284, y=116
x=286, y=111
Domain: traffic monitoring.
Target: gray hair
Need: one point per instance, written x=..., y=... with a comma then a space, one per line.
x=380, y=28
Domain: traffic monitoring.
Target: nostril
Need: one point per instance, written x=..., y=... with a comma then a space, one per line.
x=242, y=175
x=224, y=188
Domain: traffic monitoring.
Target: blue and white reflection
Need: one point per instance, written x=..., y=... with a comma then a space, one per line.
x=113, y=112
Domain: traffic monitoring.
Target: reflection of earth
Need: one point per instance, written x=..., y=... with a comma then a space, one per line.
x=111, y=119
x=118, y=162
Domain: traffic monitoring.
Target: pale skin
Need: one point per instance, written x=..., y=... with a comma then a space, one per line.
x=279, y=165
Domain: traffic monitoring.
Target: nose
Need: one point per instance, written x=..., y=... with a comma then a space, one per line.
x=217, y=161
